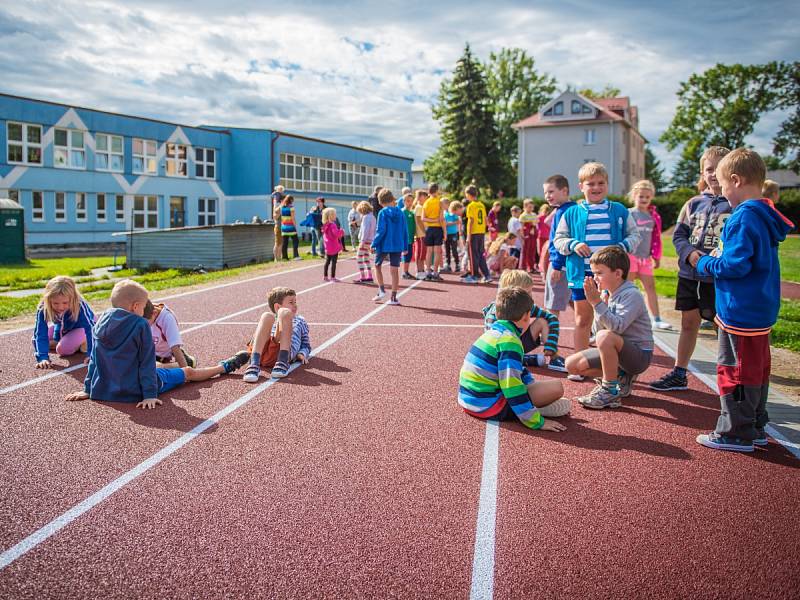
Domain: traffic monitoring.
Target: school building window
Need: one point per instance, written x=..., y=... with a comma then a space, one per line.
x=206, y=211
x=108, y=153
x=61, y=207
x=101, y=208
x=205, y=165
x=13, y=195
x=176, y=160
x=119, y=208
x=37, y=206
x=24, y=143
x=589, y=137
x=145, y=212
x=80, y=207
x=70, y=152
x=177, y=211
x=144, y=157
x=312, y=174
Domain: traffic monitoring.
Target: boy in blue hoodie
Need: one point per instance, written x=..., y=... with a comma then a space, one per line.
x=747, y=281
x=122, y=363
x=391, y=240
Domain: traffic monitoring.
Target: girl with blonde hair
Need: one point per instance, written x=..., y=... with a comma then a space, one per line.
x=64, y=322
x=499, y=252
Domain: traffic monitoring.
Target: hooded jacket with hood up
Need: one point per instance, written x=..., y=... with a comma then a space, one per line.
x=392, y=234
x=122, y=366
x=747, y=274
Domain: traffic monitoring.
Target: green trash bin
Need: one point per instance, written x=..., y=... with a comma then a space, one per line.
x=12, y=232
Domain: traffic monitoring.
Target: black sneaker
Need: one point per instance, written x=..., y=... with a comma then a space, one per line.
x=235, y=362
x=670, y=382
x=407, y=275
x=190, y=360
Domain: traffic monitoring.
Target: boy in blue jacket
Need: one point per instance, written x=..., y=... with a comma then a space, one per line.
x=391, y=241
x=747, y=281
x=122, y=364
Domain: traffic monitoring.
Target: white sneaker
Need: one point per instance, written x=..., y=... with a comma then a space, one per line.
x=559, y=408
x=379, y=296
x=576, y=378
x=393, y=302
x=421, y=275
x=663, y=325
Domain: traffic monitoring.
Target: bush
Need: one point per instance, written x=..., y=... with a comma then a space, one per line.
x=789, y=205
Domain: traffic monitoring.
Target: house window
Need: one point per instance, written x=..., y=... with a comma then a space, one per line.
x=24, y=143
x=549, y=112
x=70, y=152
x=206, y=211
x=176, y=160
x=586, y=109
x=37, y=205
x=119, y=213
x=144, y=157
x=145, y=212
x=61, y=207
x=101, y=208
x=558, y=108
x=177, y=211
x=108, y=153
x=80, y=207
x=576, y=107
x=205, y=163
x=589, y=137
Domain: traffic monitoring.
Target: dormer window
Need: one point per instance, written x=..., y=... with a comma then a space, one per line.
x=576, y=107
x=549, y=112
x=586, y=109
x=558, y=108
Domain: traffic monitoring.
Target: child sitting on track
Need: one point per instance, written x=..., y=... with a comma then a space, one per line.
x=123, y=358
x=747, y=280
x=500, y=258
x=624, y=334
x=332, y=237
x=391, y=240
x=71, y=318
x=493, y=383
x=544, y=325
x=167, y=336
x=281, y=336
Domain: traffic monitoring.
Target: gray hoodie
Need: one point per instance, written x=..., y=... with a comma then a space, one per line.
x=626, y=315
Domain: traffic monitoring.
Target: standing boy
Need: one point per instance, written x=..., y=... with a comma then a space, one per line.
x=420, y=251
x=747, y=279
x=515, y=227
x=697, y=233
x=556, y=291
x=476, y=232
x=433, y=217
x=411, y=226
x=391, y=240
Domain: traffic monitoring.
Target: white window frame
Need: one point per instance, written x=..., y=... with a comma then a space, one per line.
x=204, y=164
x=25, y=144
x=589, y=137
x=119, y=213
x=558, y=109
x=148, y=158
x=175, y=163
x=146, y=211
x=37, y=214
x=203, y=212
x=109, y=152
x=70, y=151
x=63, y=210
x=81, y=215
x=101, y=215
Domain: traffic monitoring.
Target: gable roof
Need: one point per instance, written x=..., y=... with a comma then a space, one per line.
x=606, y=112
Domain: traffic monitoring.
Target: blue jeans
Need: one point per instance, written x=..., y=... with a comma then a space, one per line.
x=317, y=242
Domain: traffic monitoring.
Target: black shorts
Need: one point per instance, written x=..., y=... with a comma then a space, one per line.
x=528, y=343
x=394, y=258
x=434, y=236
x=696, y=295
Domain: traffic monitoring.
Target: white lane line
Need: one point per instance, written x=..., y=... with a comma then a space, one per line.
x=57, y=524
x=10, y=331
x=482, y=587
x=29, y=382
x=791, y=446
x=324, y=324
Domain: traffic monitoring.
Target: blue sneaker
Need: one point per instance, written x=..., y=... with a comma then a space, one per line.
x=557, y=364
x=469, y=279
x=280, y=370
x=722, y=442
x=761, y=438
x=237, y=361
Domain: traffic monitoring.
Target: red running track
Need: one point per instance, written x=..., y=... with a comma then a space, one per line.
x=359, y=476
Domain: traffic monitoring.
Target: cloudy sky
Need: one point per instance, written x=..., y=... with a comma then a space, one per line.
x=366, y=73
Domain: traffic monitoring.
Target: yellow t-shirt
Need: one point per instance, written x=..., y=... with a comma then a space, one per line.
x=419, y=212
x=476, y=215
x=433, y=210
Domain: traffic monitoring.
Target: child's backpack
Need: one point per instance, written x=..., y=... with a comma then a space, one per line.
x=269, y=353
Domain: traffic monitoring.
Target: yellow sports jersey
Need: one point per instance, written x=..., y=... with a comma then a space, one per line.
x=419, y=212
x=433, y=210
x=476, y=216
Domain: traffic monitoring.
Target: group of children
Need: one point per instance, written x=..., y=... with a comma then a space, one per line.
x=726, y=240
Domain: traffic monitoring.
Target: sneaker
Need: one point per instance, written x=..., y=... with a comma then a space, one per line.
x=369, y=281
x=421, y=276
x=325, y=279
x=557, y=364
x=707, y=325
x=437, y=277
x=428, y=277
x=190, y=360
x=533, y=360
x=469, y=279
x=334, y=280
x=559, y=408
x=487, y=280
x=662, y=325
x=626, y=384
x=599, y=398
x=379, y=296
x=723, y=442
x=446, y=269
x=251, y=374
x=576, y=377
x=670, y=382
x=235, y=362
x=298, y=258
x=761, y=438
x=393, y=302
x=280, y=370
x=407, y=275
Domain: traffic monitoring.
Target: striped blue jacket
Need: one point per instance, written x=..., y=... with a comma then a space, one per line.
x=301, y=341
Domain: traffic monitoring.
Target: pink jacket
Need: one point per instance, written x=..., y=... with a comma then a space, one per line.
x=331, y=236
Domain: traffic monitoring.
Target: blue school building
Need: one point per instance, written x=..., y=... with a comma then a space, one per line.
x=83, y=174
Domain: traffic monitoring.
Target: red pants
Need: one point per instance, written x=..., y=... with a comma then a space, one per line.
x=529, y=258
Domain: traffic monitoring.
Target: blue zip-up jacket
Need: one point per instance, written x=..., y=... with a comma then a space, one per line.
x=557, y=259
x=63, y=325
x=571, y=231
x=392, y=233
x=699, y=227
x=747, y=274
x=122, y=365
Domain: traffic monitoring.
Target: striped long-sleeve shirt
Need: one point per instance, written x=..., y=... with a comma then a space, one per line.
x=554, y=328
x=598, y=229
x=493, y=371
x=301, y=341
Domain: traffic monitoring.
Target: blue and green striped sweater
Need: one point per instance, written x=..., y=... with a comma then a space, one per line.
x=493, y=371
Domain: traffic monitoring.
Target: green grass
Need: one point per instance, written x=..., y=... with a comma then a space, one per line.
x=38, y=271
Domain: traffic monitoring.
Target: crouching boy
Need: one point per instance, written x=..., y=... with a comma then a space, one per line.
x=623, y=331
x=122, y=364
x=167, y=336
x=493, y=383
x=281, y=337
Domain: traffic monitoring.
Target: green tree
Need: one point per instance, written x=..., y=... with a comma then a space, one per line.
x=653, y=169
x=774, y=163
x=721, y=107
x=517, y=91
x=467, y=131
x=608, y=91
x=787, y=140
